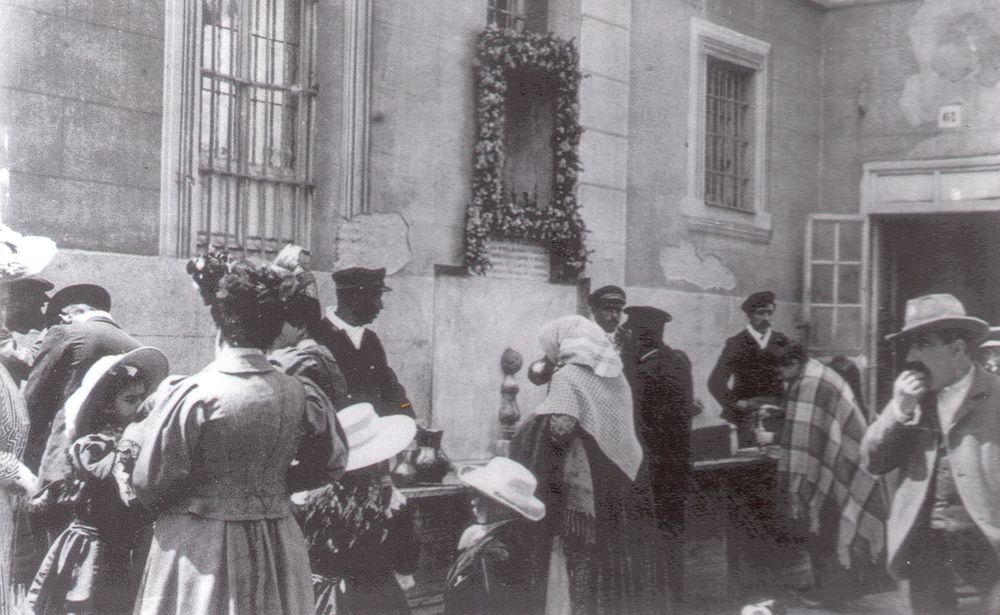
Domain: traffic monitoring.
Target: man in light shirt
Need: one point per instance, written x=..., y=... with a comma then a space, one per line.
x=941, y=430
x=357, y=349
x=746, y=360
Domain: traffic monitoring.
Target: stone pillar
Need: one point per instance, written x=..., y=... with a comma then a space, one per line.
x=509, y=415
x=604, y=103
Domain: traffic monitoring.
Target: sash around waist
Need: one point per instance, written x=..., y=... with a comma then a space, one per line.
x=235, y=508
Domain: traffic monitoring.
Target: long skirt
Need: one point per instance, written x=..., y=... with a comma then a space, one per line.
x=81, y=574
x=7, y=517
x=199, y=565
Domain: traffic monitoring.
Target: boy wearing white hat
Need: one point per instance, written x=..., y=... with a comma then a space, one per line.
x=489, y=575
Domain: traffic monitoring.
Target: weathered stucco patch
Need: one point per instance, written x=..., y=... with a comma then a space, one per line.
x=682, y=263
x=373, y=240
x=957, y=46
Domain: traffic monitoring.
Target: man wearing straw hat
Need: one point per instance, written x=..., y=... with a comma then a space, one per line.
x=941, y=430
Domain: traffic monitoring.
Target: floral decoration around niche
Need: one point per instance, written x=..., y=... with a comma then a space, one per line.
x=492, y=212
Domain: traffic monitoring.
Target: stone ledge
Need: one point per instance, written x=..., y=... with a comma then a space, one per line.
x=725, y=228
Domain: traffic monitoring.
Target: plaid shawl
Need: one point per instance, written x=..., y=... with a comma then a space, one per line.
x=574, y=339
x=821, y=442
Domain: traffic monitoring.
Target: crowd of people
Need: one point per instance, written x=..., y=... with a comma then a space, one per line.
x=263, y=483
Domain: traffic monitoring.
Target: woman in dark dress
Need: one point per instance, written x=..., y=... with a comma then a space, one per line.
x=90, y=566
x=599, y=538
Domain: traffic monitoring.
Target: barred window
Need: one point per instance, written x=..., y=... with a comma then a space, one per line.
x=505, y=13
x=729, y=134
x=251, y=123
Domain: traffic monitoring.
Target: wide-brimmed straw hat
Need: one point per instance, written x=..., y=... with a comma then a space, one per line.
x=507, y=482
x=149, y=364
x=940, y=311
x=993, y=339
x=372, y=438
x=22, y=256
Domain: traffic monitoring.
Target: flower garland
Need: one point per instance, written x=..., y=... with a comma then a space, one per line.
x=491, y=213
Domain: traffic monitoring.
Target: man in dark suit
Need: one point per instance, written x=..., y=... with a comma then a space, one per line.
x=66, y=354
x=746, y=360
x=663, y=398
x=357, y=349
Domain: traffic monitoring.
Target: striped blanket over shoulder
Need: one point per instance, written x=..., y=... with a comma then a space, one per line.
x=822, y=459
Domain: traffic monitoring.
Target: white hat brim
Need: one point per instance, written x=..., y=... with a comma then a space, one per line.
x=33, y=254
x=979, y=328
x=152, y=365
x=394, y=434
x=531, y=508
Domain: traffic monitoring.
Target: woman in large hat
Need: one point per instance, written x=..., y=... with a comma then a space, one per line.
x=361, y=539
x=216, y=464
x=20, y=257
x=88, y=569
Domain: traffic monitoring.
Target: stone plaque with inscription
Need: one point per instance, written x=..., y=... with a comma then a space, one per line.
x=515, y=259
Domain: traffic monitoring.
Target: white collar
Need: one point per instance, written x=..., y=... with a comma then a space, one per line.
x=90, y=315
x=761, y=338
x=354, y=332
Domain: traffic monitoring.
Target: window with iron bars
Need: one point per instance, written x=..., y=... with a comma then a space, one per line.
x=729, y=135
x=254, y=124
x=505, y=13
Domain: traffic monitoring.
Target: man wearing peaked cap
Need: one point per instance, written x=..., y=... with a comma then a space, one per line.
x=357, y=349
x=989, y=351
x=25, y=325
x=745, y=361
x=606, y=304
x=941, y=430
x=663, y=401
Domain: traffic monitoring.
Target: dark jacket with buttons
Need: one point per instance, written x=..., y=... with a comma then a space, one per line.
x=366, y=370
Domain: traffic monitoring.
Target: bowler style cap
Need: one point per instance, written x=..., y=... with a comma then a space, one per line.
x=31, y=285
x=607, y=295
x=360, y=278
x=506, y=481
x=149, y=364
x=940, y=311
x=993, y=339
x=646, y=316
x=91, y=294
x=758, y=300
x=372, y=438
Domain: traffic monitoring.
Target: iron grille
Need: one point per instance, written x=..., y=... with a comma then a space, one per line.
x=729, y=135
x=256, y=116
x=505, y=13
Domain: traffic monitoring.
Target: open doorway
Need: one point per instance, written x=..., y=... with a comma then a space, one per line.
x=919, y=254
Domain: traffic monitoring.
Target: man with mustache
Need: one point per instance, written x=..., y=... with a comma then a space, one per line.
x=357, y=349
x=941, y=431
x=746, y=361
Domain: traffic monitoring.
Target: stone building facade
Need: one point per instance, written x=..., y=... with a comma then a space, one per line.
x=878, y=112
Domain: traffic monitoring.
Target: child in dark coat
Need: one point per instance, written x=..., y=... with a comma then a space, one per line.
x=489, y=575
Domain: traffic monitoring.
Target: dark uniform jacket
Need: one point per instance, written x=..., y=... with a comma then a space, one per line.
x=663, y=396
x=488, y=577
x=366, y=370
x=744, y=360
x=67, y=352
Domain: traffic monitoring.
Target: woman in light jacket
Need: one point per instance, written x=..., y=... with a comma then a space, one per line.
x=217, y=465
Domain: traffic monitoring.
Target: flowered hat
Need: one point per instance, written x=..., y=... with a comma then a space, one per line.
x=146, y=363
x=22, y=256
x=507, y=482
x=372, y=438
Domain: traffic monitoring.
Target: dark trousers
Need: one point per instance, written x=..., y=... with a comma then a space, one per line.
x=941, y=561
